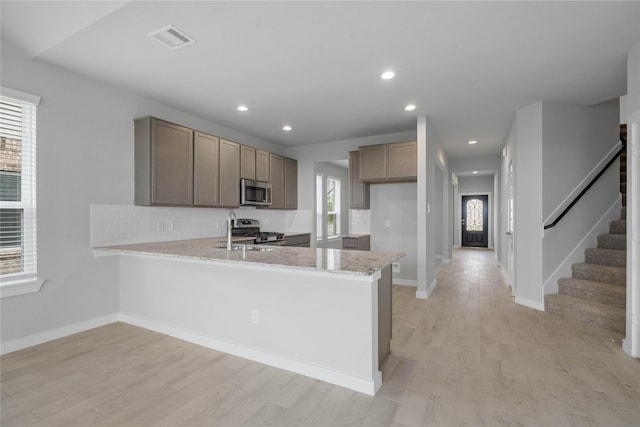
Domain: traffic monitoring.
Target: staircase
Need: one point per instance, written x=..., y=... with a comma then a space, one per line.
x=596, y=292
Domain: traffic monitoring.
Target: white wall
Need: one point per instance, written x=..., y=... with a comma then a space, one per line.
x=397, y=204
x=85, y=157
x=631, y=343
x=577, y=141
x=528, y=207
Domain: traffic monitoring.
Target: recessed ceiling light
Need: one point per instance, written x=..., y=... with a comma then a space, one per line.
x=410, y=107
x=387, y=75
x=286, y=128
x=473, y=142
x=171, y=37
x=242, y=108
x=474, y=172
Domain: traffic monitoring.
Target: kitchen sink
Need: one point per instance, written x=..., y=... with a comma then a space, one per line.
x=254, y=248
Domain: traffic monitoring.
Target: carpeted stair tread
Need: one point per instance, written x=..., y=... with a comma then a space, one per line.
x=612, y=241
x=618, y=227
x=600, y=273
x=603, y=293
x=614, y=257
x=605, y=316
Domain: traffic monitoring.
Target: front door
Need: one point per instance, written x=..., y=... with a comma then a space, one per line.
x=475, y=213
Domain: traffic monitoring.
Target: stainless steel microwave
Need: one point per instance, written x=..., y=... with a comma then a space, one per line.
x=255, y=193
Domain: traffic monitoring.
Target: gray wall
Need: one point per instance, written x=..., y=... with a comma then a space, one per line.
x=397, y=204
x=85, y=156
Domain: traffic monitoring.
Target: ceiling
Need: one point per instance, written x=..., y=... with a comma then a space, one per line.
x=467, y=66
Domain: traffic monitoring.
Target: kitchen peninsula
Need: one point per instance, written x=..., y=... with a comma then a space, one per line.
x=324, y=313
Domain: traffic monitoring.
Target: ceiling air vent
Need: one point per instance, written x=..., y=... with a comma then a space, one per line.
x=171, y=37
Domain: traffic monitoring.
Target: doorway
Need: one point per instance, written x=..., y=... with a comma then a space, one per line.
x=475, y=216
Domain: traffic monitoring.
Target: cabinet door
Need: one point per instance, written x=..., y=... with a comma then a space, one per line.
x=276, y=164
x=171, y=164
x=290, y=184
x=403, y=161
x=205, y=169
x=247, y=162
x=229, y=173
x=358, y=190
x=373, y=162
x=262, y=166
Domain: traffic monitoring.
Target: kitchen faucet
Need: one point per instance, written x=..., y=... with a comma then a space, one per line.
x=229, y=227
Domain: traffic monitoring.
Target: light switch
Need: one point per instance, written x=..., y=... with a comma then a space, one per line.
x=387, y=223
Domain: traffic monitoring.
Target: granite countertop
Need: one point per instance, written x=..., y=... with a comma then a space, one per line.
x=315, y=259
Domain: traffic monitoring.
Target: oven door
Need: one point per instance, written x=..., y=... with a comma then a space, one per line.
x=255, y=193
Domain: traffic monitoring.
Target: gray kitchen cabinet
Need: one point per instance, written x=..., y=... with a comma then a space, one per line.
x=229, y=174
x=206, y=162
x=396, y=162
x=403, y=162
x=262, y=166
x=300, y=240
x=247, y=162
x=290, y=183
x=163, y=163
x=358, y=191
x=358, y=242
x=373, y=162
x=276, y=166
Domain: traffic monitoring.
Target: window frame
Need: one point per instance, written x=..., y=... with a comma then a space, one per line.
x=25, y=282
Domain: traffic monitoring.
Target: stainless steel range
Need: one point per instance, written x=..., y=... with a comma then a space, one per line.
x=247, y=227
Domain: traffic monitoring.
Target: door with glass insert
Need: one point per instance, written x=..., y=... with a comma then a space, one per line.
x=475, y=215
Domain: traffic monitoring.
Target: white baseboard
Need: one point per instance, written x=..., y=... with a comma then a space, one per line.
x=359, y=384
x=530, y=303
x=405, y=282
x=426, y=294
x=54, y=334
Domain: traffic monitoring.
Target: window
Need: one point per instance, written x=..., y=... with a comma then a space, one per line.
x=18, y=249
x=327, y=207
x=333, y=207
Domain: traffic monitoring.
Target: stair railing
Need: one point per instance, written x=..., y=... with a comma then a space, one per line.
x=593, y=181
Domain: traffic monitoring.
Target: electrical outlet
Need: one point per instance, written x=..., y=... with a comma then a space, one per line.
x=387, y=223
x=395, y=267
x=255, y=316
x=175, y=225
x=162, y=226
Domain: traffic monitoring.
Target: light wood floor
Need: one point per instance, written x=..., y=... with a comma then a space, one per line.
x=466, y=356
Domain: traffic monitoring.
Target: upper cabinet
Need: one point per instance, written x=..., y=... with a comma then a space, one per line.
x=247, y=162
x=358, y=190
x=403, y=160
x=178, y=166
x=276, y=164
x=373, y=162
x=396, y=162
x=206, y=160
x=262, y=166
x=163, y=163
x=254, y=164
x=290, y=183
x=229, y=174
x=284, y=182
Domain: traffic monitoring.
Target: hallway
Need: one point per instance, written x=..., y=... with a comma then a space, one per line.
x=466, y=356
x=470, y=355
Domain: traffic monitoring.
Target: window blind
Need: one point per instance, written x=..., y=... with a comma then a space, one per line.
x=18, y=233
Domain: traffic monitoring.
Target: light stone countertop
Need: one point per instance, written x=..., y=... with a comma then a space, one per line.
x=315, y=259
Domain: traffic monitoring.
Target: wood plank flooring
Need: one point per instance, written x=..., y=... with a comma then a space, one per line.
x=467, y=356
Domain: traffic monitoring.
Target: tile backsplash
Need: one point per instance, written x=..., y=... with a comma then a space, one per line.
x=121, y=224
